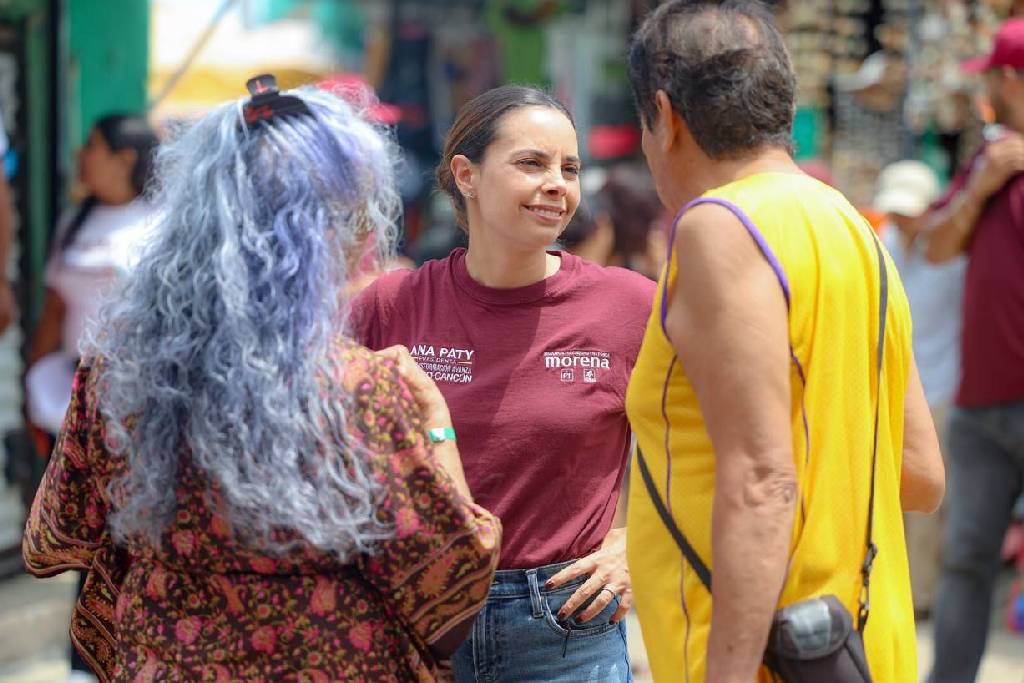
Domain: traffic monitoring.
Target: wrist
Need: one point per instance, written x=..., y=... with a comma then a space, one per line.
x=614, y=537
x=966, y=213
x=974, y=193
x=441, y=435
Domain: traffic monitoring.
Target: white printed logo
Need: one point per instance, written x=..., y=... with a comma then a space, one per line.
x=593, y=364
x=444, y=363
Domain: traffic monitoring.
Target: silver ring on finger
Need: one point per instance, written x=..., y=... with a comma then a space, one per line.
x=615, y=596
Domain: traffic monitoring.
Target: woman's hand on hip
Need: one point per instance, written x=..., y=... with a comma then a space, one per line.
x=609, y=580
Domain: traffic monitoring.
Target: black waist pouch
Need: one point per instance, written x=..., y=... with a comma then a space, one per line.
x=814, y=641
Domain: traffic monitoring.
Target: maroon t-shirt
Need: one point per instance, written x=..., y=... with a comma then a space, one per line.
x=535, y=378
x=992, y=365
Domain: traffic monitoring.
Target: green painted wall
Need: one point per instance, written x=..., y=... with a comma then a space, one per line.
x=109, y=59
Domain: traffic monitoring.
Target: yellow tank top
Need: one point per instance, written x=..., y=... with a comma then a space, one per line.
x=825, y=258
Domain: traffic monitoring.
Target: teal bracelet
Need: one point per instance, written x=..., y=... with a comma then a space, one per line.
x=440, y=434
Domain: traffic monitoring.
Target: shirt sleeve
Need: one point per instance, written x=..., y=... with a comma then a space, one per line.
x=67, y=524
x=436, y=569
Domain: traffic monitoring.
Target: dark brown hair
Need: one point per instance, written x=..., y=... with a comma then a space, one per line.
x=119, y=131
x=475, y=128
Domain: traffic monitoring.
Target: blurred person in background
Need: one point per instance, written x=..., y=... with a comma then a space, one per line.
x=776, y=372
x=98, y=243
x=253, y=495
x=638, y=219
x=95, y=246
x=7, y=304
x=590, y=234
x=981, y=216
x=935, y=292
x=532, y=350
x=620, y=223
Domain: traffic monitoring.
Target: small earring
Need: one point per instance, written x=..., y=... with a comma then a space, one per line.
x=471, y=195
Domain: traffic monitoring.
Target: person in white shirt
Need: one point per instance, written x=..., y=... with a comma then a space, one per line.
x=905, y=191
x=100, y=242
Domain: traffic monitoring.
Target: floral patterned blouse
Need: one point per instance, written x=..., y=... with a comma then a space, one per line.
x=205, y=608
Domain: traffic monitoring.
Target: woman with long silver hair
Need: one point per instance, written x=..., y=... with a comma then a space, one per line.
x=254, y=496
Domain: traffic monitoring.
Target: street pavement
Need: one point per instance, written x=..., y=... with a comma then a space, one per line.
x=34, y=614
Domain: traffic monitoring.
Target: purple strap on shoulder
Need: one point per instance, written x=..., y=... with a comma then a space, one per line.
x=759, y=239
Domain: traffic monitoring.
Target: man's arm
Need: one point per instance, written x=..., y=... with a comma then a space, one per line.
x=950, y=228
x=728, y=322
x=923, y=476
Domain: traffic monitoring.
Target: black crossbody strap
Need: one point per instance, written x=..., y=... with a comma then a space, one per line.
x=701, y=569
x=872, y=549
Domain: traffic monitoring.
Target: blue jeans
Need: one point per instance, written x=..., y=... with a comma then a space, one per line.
x=518, y=638
x=984, y=479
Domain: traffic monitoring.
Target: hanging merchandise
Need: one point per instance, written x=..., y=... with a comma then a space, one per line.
x=808, y=35
x=851, y=62
x=868, y=101
x=807, y=29
x=879, y=80
x=868, y=123
x=943, y=102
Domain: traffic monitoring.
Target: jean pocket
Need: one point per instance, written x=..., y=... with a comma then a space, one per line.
x=572, y=626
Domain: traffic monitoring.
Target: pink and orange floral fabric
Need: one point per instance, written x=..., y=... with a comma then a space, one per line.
x=204, y=607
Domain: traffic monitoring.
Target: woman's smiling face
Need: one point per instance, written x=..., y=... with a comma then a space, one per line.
x=527, y=185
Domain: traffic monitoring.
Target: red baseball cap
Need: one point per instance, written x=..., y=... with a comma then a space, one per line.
x=1008, y=49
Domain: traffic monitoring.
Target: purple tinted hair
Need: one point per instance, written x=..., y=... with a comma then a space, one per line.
x=221, y=342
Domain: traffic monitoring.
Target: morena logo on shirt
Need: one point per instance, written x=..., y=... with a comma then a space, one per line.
x=573, y=366
x=444, y=363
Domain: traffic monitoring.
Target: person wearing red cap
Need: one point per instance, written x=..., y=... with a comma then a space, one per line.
x=982, y=215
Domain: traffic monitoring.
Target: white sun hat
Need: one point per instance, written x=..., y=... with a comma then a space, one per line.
x=907, y=188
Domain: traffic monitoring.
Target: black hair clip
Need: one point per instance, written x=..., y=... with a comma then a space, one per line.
x=267, y=102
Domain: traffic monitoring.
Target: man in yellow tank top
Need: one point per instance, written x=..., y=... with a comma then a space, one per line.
x=754, y=395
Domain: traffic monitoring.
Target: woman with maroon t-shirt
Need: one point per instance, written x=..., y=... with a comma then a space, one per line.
x=532, y=350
